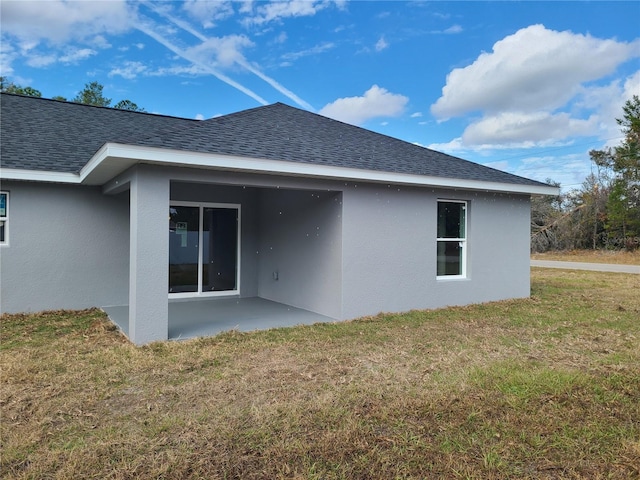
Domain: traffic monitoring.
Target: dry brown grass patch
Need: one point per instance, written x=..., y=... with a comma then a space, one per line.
x=546, y=387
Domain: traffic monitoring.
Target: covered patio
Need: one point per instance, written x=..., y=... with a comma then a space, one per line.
x=217, y=251
x=192, y=318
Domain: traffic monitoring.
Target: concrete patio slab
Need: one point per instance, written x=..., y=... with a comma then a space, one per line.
x=191, y=318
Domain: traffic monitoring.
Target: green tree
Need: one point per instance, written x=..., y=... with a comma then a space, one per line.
x=10, y=87
x=128, y=105
x=623, y=205
x=92, y=95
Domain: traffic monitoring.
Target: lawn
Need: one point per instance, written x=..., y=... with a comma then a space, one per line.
x=545, y=387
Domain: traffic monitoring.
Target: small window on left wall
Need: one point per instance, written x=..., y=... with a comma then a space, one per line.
x=4, y=218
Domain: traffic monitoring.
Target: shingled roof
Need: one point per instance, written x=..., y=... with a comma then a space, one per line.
x=49, y=135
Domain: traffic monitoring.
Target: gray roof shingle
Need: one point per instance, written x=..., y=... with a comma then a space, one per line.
x=40, y=134
x=43, y=134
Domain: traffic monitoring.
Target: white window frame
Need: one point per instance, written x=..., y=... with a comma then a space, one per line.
x=201, y=207
x=463, y=242
x=5, y=219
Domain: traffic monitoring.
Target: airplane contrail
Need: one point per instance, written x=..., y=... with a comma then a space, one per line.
x=181, y=53
x=242, y=62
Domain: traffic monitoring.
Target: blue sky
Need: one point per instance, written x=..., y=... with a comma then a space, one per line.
x=526, y=87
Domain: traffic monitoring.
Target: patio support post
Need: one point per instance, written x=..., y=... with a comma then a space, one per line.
x=148, y=256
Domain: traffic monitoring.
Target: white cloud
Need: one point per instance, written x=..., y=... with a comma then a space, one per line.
x=246, y=6
x=511, y=129
x=535, y=89
x=416, y=115
x=7, y=55
x=208, y=12
x=341, y=4
x=608, y=101
x=275, y=11
x=376, y=102
x=453, y=29
x=199, y=116
x=570, y=170
x=129, y=70
x=75, y=55
x=453, y=147
x=281, y=38
x=321, y=48
x=179, y=70
x=58, y=21
x=631, y=86
x=381, y=44
x=535, y=68
x=222, y=51
x=99, y=41
x=40, y=61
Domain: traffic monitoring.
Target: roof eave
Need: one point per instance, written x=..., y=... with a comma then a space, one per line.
x=113, y=159
x=39, y=176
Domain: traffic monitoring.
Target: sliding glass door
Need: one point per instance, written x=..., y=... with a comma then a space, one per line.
x=220, y=252
x=203, y=249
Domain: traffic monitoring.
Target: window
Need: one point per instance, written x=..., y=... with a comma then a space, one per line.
x=452, y=239
x=204, y=249
x=4, y=218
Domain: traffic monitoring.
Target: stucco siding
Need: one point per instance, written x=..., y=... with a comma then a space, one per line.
x=69, y=248
x=389, y=249
x=148, y=255
x=339, y=249
x=498, y=251
x=300, y=251
x=387, y=263
x=498, y=247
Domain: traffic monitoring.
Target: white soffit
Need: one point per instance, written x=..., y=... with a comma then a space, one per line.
x=113, y=159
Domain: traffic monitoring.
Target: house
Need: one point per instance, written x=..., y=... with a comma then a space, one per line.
x=103, y=207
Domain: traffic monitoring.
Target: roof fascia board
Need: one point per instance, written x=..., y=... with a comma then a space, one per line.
x=160, y=156
x=39, y=176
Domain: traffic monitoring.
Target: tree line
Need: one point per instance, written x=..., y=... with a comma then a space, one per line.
x=604, y=213
x=91, y=94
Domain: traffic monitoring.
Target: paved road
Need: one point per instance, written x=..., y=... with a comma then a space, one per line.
x=597, y=267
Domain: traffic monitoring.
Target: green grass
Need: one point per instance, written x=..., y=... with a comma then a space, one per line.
x=545, y=387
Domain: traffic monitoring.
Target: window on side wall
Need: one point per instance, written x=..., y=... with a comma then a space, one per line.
x=452, y=239
x=4, y=218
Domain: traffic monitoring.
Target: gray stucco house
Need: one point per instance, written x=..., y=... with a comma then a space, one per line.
x=103, y=207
